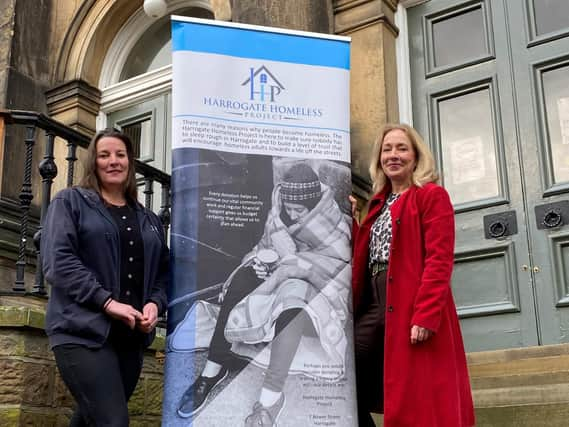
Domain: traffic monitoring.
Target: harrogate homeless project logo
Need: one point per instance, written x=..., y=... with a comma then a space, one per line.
x=259, y=99
x=263, y=85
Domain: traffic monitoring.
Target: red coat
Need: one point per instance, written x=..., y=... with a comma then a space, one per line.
x=426, y=384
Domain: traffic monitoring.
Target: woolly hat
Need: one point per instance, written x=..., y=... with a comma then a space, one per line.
x=300, y=184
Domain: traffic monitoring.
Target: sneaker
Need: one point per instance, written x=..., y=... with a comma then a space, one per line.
x=196, y=395
x=263, y=416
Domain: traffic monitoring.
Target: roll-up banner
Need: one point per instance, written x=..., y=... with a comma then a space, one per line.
x=259, y=322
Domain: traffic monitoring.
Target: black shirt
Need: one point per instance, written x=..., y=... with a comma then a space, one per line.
x=131, y=262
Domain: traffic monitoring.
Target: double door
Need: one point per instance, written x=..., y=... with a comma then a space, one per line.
x=490, y=89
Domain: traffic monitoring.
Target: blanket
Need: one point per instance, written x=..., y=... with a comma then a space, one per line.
x=313, y=273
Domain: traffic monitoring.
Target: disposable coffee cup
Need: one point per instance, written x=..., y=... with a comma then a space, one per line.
x=268, y=257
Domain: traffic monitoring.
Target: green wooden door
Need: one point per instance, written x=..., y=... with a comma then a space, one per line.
x=490, y=88
x=148, y=125
x=540, y=52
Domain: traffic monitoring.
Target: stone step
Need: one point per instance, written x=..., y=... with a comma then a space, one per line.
x=518, y=380
x=539, y=394
x=552, y=415
x=523, y=387
x=528, y=366
x=513, y=354
x=533, y=375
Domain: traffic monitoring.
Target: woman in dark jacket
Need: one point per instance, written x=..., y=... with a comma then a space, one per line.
x=106, y=259
x=410, y=360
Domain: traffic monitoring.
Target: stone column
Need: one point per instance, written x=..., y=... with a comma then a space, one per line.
x=373, y=81
x=305, y=15
x=76, y=104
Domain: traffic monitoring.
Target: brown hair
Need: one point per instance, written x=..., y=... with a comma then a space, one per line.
x=91, y=179
x=424, y=171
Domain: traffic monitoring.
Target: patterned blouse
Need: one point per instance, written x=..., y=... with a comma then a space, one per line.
x=380, y=239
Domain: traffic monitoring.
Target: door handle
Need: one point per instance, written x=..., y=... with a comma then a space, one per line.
x=498, y=228
x=552, y=218
x=552, y=215
x=500, y=225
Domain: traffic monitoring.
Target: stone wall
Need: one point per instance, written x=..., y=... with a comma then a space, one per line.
x=31, y=390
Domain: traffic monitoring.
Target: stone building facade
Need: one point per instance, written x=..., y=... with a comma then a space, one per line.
x=492, y=104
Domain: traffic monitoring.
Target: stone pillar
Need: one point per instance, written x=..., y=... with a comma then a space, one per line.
x=373, y=80
x=76, y=104
x=305, y=15
x=2, y=144
x=25, y=71
x=7, y=18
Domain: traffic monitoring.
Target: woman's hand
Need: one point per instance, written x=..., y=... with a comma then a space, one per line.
x=261, y=269
x=124, y=312
x=354, y=204
x=419, y=334
x=149, y=318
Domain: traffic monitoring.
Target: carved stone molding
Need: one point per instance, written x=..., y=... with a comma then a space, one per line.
x=75, y=104
x=353, y=15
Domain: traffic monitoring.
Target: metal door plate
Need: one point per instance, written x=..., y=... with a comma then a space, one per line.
x=552, y=215
x=500, y=225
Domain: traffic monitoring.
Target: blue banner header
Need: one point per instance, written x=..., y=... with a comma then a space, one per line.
x=251, y=43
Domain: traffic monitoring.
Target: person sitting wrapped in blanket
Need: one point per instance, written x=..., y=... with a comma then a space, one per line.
x=298, y=298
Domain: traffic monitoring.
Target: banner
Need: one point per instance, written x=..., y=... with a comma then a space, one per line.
x=259, y=321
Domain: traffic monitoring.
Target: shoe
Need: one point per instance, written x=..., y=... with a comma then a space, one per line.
x=196, y=395
x=263, y=416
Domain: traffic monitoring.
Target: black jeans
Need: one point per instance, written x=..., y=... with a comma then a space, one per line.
x=244, y=282
x=101, y=380
x=369, y=333
x=290, y=326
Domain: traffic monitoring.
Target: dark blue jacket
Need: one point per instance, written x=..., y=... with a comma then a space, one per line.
x=80, y=251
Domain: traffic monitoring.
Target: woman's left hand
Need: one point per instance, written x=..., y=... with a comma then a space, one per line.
x=419, y=334
x=149, y=318
x=353, y=205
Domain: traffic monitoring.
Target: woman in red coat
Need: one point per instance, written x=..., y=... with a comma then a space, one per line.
x=410, y=360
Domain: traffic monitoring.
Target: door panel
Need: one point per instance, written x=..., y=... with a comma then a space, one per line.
x=497, y=117
x=456, y=37
x=548, y=17
x=468, y=138
x=148, y=125
x=468, y=116
x=553, y=93
x=541, y=68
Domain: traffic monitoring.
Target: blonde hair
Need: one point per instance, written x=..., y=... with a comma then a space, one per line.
x=424, y=172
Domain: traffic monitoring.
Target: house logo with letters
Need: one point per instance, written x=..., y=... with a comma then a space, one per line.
x=263, y=85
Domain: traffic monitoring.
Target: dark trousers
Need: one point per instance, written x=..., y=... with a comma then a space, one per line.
x=101, y=380
x=244, y=282
x=290, y=326
x=369, y=333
